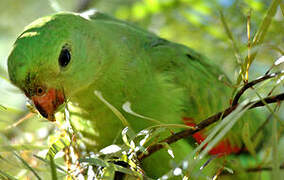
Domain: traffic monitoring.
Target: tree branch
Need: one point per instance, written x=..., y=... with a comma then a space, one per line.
x=262, y=169
x=251, y=84
x=203, y=124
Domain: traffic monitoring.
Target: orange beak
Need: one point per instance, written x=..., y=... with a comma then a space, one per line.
x=48, y=103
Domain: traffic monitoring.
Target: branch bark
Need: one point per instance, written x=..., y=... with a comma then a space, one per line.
x=203, y=124
x=251, y=84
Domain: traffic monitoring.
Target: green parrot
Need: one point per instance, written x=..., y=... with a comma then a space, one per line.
x=67, y=57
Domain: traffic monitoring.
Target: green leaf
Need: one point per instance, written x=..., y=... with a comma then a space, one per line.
x=261, y=33
x=48, y=162
x=220, y=130
x=53, y=169
x=7, y=175
x=150, y=133
x=27, y=166
x=112, y=108
x=247, y=139
x=275, y=154
x=231, y=37
x=58, y=143
x=127, y=108
x=109, y=167
x=2, y=107
x=94, y=161
x=128, y=136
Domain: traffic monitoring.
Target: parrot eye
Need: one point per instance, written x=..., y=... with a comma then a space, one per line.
x=64, y=57
x=40, y=91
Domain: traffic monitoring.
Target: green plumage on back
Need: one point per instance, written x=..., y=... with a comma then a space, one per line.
x=162, y=80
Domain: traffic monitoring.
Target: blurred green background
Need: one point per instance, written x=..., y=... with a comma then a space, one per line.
x=190, y=22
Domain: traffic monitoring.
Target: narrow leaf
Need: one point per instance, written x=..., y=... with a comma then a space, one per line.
x=27, y=166
x=94, y=161
x=47, y=162
x=2, y=107
x=228, y=123
x=275, y=154
x=114, y=110
x=262, y=30
x=53, y=169
x=247, y=139
x=7, y=175
x=231, y=37
x=127, y=108
x=58, y=144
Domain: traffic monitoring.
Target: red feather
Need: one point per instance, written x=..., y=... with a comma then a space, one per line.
x=224, y=147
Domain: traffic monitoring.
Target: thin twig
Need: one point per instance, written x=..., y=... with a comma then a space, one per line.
x=259, y=36
x=251, y=84
x=27, y=116
x=203, y=124
x=254, y=169
x=268, y=100
x=262, y=169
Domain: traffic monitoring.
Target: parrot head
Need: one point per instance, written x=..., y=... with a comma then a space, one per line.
x=49, y=61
